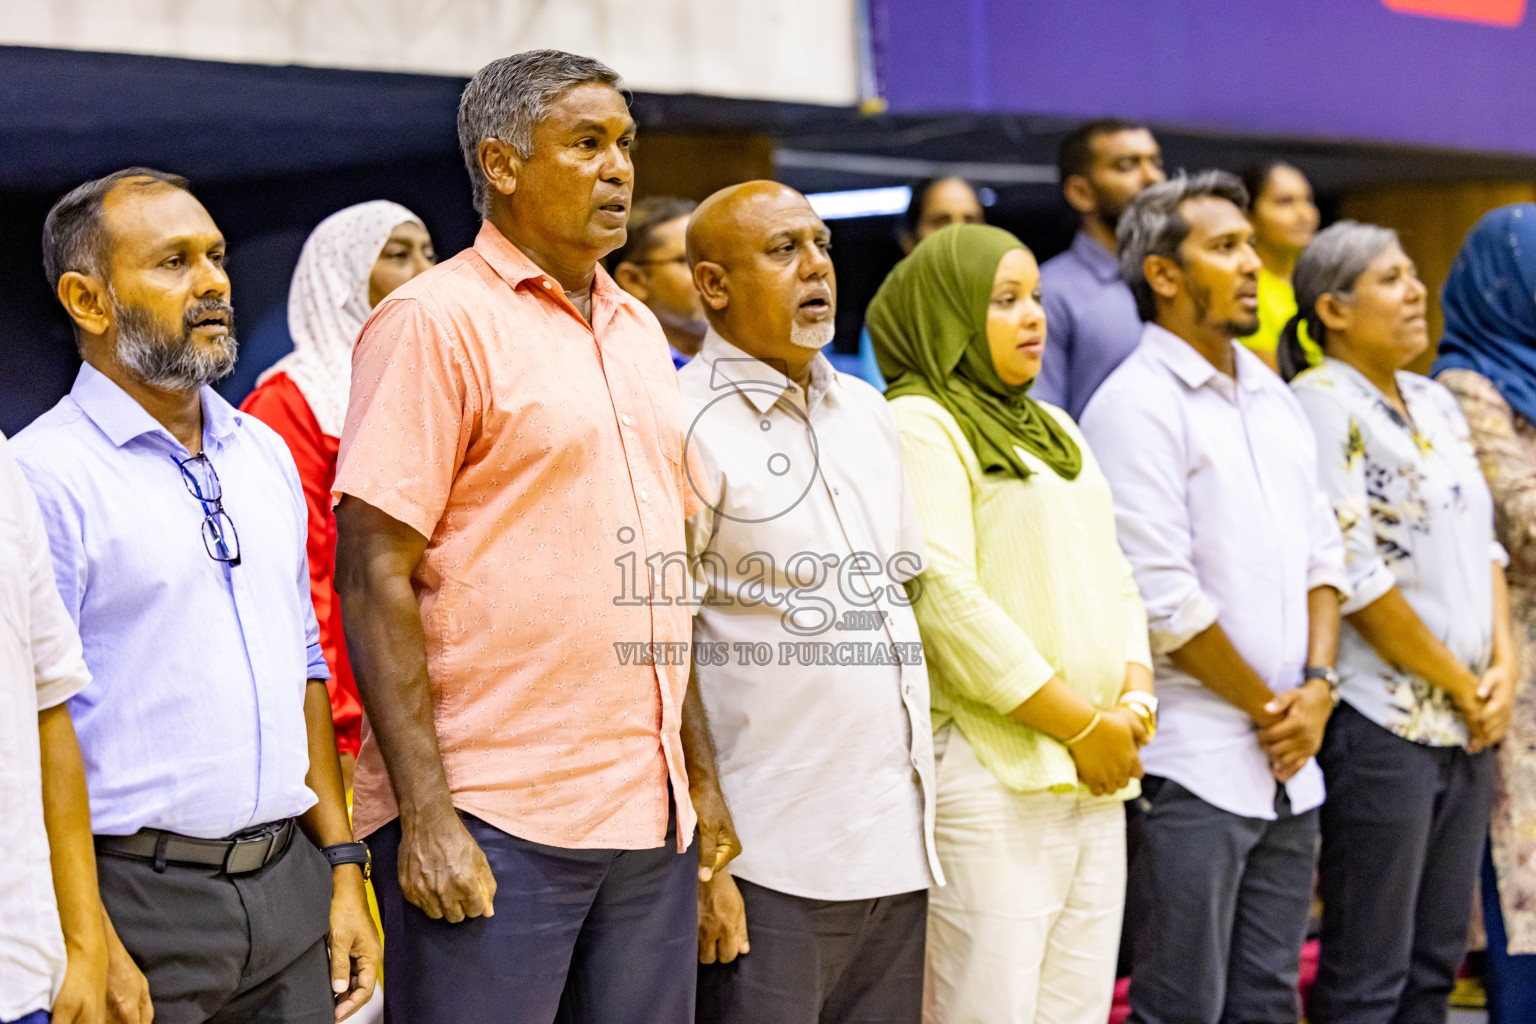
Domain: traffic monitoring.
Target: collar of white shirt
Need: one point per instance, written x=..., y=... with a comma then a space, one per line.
x=763, y=383
x=1196, y=371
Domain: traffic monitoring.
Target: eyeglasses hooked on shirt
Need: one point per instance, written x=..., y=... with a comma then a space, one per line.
x=219, y=537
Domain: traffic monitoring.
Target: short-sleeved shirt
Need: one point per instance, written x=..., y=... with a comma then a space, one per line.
x=40, y=667
x=1416, y=514
x=825, y=749
x=542, y=459
x=1091, y=324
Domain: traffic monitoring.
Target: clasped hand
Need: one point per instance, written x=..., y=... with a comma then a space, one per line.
x=1292, y=732
x=1488, y=717
x=1108, y=757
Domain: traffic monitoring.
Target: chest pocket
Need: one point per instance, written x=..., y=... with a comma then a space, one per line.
x=664, y=402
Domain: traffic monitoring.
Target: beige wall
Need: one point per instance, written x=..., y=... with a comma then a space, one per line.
x=800, y=50
x=1432, y=220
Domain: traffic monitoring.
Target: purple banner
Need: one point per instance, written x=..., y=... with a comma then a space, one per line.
x=1446, y=73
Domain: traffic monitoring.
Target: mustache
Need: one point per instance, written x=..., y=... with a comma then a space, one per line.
x=206, y=308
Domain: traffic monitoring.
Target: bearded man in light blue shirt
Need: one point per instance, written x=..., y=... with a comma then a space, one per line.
x=177, y=528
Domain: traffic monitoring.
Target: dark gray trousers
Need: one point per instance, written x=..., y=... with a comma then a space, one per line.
x=1403, y=832
x=247, y=949
x=821, y=962
x=1224, y=911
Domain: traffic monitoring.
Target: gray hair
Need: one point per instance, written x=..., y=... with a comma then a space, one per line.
x=509, y=97
x=74, y=237
x=1331, y=264
x=1153, y=226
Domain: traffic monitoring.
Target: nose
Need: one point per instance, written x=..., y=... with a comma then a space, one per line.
x=1249, y=262
x=211, y=281
x=1420, y=292
x=1034, y=315
x=817, y=262
x=619, y=165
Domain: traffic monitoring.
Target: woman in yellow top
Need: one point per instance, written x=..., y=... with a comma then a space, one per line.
x=1284, y=220
x=1034, y=635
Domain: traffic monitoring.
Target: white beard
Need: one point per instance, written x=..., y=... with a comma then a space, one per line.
x=813, y=336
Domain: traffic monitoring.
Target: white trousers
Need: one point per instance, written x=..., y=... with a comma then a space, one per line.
x=1028, y=927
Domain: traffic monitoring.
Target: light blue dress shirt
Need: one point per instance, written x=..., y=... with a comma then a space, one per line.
x=194, y=719
x=1091, y=324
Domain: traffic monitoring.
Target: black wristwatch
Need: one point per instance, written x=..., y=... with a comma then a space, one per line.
x=348, y=853
x=1327, y=674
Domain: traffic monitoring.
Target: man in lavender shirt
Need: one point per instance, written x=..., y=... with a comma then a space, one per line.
x=1089, y=312
x=232, y=891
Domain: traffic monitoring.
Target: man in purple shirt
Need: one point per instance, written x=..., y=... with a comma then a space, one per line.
x=1090, y=315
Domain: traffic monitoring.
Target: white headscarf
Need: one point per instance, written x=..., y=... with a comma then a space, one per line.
x=328, y=304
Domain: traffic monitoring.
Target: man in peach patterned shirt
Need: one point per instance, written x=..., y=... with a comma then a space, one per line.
x=514, y=440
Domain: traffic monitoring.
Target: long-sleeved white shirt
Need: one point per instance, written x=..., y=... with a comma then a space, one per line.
x=40, y=667
x=1218, y=508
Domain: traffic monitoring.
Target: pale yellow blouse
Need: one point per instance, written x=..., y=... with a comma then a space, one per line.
x=1024, y=580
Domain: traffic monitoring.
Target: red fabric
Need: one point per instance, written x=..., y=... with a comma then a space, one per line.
x=279, y=404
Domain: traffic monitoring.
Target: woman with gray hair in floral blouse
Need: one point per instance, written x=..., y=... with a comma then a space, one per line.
x=1426, y=661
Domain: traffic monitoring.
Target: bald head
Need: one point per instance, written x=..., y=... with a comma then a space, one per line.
x=761, y=265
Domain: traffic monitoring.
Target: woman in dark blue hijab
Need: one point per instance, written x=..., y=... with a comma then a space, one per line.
x=1488, y=359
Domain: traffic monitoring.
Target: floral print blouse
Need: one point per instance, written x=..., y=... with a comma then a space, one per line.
x=1416, y=514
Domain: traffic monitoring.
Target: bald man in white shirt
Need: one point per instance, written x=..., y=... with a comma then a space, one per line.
x=807, y=654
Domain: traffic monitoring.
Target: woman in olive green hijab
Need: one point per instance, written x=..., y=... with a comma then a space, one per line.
x=1035, y=638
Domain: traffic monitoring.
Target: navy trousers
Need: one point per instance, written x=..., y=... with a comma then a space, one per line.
x=579, y=937
x=1511, y=979
x=1403, y=827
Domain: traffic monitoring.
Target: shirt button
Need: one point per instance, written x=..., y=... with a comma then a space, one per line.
x=644, y=496
x=545, y=284
x=628, y=422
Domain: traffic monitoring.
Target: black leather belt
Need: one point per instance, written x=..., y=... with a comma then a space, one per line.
x=239, y=854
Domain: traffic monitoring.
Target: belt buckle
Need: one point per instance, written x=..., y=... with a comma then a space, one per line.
x=247, y=855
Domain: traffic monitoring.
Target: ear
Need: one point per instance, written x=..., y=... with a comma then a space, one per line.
x=710, y=280
x=500, y=164
x=630, y=277
x=1078, y=193
x=1164, y=276
x=1334, y=312
x=85, y=299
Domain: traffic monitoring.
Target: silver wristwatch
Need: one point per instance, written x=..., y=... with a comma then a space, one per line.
x=1327, y=674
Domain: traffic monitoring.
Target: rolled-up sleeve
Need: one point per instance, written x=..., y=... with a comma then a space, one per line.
x=986, y=656
x=1344, y=552
x=1143, y=455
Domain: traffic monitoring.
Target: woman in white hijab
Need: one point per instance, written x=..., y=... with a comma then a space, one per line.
x=349, y=263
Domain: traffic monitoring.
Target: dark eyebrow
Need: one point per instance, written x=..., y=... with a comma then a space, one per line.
x=599, y=128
